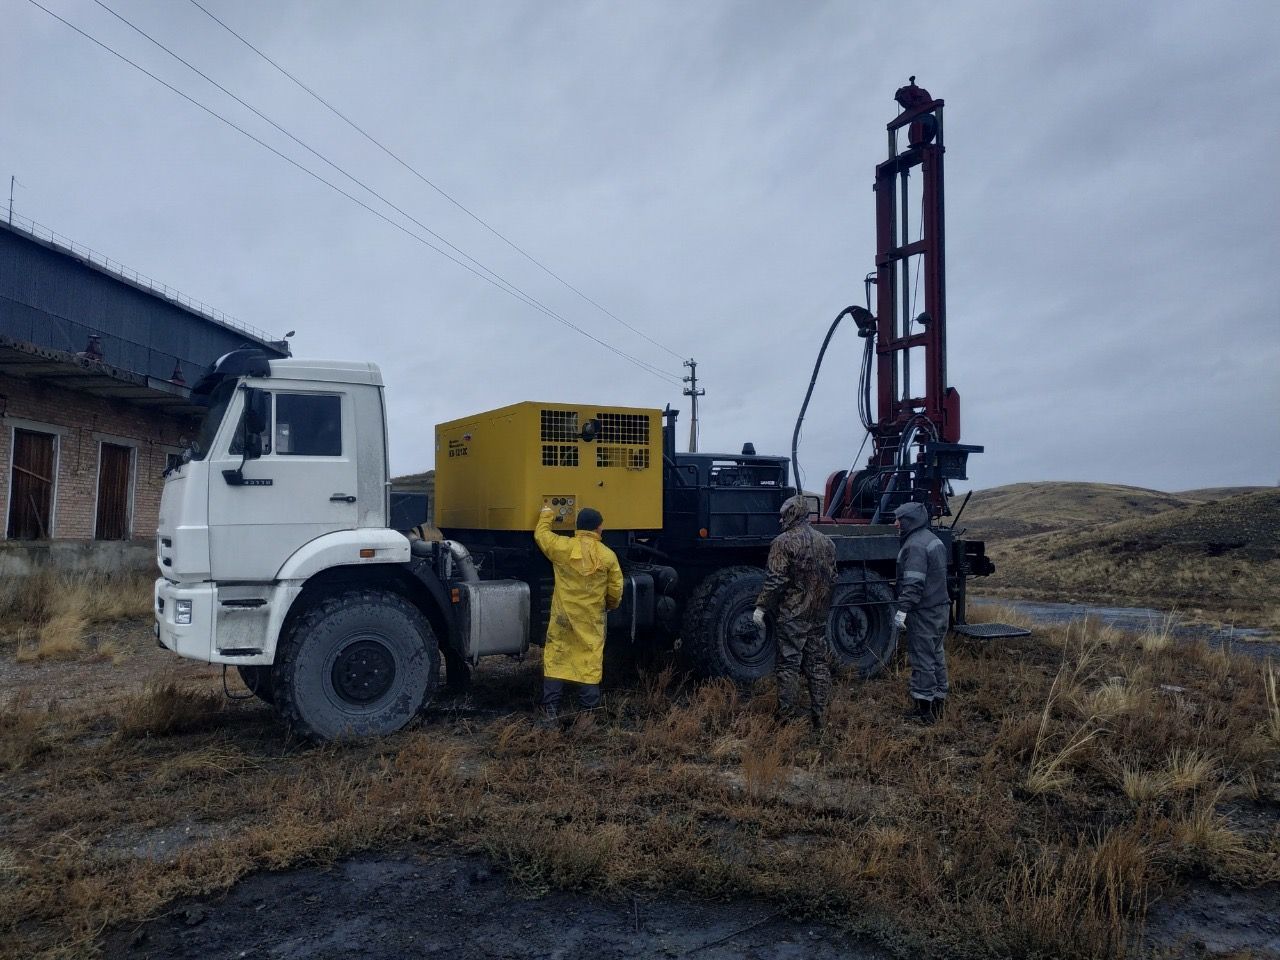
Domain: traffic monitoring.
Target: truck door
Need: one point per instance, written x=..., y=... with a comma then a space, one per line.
x=302, y=486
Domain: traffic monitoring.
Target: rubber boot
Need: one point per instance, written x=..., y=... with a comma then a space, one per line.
x=549, y=716
x=937, y=707
x=818, y=721
x=786, y=713
x=920, y=712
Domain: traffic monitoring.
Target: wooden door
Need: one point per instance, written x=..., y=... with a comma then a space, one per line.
x=31, y=489
x=113, y=492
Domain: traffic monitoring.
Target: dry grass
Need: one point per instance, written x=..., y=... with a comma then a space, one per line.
x=48, y=616
x=1143, y=786
x=933, y=840
x=1050, y=767
x=1158, y=637
x=22, y=734
x=1188, y=770
x=1271, y=723
x=166, y=708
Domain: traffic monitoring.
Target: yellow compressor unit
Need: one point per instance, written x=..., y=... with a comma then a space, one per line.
x=495, y=470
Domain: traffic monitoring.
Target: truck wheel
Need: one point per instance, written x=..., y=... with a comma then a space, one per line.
x=357, y=664
x=258, y=680
x=719, y=634
x=860, y=629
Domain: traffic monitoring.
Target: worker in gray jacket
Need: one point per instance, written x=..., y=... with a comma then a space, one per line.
x=923, y=610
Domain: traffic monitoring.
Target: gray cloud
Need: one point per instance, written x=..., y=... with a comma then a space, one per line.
x=704, y=171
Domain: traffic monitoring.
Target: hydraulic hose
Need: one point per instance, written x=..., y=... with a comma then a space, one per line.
x=795, y=435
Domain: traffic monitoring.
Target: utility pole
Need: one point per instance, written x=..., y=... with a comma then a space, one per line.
x=694, y=393
x=12, y=180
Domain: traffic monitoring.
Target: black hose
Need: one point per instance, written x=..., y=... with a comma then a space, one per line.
x=795, y=435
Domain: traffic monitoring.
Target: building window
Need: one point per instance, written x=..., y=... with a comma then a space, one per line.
x=308, y=425
x=172, y=461
x=115, y=469
x=35, y=457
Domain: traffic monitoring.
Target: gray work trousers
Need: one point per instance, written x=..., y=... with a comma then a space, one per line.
x=926, y=629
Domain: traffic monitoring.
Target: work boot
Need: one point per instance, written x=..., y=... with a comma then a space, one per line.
x=937, y=706
x=920, y=712
x=785, y=714
x=549, y=716
x=818, y=721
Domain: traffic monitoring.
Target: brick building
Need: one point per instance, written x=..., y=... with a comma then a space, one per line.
x=96, y=364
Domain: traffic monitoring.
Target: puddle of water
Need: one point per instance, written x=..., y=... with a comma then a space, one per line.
x=1130, y=619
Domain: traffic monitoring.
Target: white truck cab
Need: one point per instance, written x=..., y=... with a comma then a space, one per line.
x=275, y=555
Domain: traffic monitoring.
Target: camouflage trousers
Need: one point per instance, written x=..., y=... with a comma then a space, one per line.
x=802, y=648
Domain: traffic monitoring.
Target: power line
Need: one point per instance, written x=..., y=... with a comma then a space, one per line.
x=496, y=281
x=511, y=288
x=387, y=150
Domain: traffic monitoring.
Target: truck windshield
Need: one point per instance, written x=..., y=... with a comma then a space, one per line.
x=218, y=401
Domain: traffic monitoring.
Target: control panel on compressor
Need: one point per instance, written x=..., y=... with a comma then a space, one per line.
x=564, y=507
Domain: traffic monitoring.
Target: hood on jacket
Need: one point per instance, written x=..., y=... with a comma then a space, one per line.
x=912, y=516
x=793, y=512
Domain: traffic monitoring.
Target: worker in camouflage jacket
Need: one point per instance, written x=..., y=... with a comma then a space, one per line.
x=797, y=590
x=923, y=610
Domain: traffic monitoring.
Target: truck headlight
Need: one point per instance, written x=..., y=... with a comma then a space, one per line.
x=182, y=611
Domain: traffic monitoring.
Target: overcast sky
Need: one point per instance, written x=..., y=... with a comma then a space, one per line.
x=703, y=171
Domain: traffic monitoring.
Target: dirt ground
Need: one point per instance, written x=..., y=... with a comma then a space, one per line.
x=424, y=905
x=433, y=900
x=429, y=904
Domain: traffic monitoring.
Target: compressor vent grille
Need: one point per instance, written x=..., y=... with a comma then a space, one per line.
x=559, y=455
x=632, y=458
x=559, y=426
x=628, y=428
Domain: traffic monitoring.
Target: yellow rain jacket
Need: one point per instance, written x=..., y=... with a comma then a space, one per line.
x=588, y=582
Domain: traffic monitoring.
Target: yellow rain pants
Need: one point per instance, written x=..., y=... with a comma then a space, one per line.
x=588, y=583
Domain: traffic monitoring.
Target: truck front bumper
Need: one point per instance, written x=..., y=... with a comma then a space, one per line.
x=231, y=623
x=193, y=639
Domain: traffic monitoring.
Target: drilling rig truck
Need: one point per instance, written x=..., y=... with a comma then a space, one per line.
x=276, y=555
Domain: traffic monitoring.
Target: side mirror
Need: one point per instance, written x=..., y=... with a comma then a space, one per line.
x=253, y=446
x=256, y=423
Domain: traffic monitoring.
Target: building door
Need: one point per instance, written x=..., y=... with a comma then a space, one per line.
x=31, y=487
x=114, y=468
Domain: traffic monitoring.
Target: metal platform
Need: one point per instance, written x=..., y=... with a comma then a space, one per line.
x=990, y=631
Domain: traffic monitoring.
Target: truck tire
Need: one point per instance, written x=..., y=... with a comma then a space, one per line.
x=258, y=680
x=362, y=663
x=860, y=629
x=719, y=635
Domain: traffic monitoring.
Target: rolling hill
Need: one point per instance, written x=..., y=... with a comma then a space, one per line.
x=1218, y=556
x=1022, y=509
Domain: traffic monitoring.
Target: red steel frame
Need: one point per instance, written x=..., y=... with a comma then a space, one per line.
x=893, y=276
x=896, y=330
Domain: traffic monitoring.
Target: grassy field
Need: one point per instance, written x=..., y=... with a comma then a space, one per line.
x=1217, y=558
x=1078, y=775
x=51, y=616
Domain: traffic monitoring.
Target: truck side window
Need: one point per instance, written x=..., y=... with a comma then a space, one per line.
x=308, y=425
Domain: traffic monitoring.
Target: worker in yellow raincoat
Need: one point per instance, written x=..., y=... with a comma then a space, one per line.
x=588, y=583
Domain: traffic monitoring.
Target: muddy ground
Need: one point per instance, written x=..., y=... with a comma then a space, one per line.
x=408, y=904
x=1252, y=640
x=430, y=904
